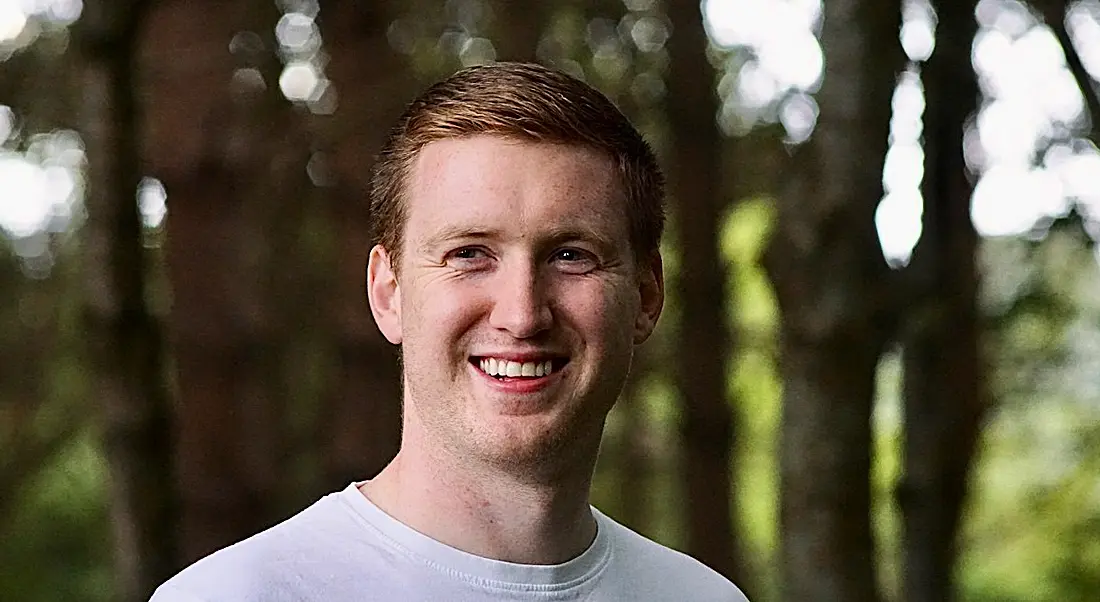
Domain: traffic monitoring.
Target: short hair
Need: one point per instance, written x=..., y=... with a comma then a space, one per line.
x=522, y=101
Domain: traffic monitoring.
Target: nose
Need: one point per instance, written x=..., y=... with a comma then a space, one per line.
x=520, y=305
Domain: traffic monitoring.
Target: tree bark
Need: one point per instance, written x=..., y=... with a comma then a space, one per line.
x=219, y=142
x=944, y=391
x=29, y=83
x=833, y=289
x=704, y=339
x=518, y=27
x=125, y=336
x=35, y=422
x=362, y=430
x=633, y=455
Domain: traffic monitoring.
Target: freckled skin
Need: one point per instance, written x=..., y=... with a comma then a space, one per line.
x=523, y=247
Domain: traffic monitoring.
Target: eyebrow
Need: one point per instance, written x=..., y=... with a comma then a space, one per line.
x=453, y=233
x=560, y=235
x=449, y=234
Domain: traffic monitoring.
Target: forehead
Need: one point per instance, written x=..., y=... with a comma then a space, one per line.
x=522, y=187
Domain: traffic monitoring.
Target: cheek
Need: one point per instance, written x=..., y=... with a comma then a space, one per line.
x=603, y=314
x=441, y=311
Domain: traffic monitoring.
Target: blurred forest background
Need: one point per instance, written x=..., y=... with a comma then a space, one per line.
x=878, y=377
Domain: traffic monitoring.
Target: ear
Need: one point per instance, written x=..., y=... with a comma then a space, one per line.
x=651, y=289
x=384, y=294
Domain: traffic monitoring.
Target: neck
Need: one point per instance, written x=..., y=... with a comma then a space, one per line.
x=486, y=511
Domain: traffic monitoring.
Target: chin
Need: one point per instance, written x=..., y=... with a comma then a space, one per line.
x=532, y=446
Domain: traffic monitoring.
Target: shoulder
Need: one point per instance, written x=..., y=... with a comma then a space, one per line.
x=260, y=567
x=234, y=573
x=659, y=572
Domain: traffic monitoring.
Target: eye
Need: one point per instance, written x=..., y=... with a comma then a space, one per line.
x=468, y=253
x=468, y=258
x=569, y=255
x=574, y=261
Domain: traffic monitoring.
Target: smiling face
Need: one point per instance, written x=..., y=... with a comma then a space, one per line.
x=517, y=302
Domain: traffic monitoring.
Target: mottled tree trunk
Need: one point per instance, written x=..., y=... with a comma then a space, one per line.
x=944, y=378
x=30, y=81
x=218, y=141
x=703, y=342
x=36, y=421
x=633, y=456
x=361, y=426
x=125, y=337
x=831, y=283
x=518, y=28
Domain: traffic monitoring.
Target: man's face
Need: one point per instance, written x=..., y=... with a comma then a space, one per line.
x=518, y=300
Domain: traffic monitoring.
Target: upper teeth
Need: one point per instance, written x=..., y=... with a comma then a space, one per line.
x=494, y=367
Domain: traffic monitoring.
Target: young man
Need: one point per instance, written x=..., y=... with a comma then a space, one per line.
x=519, y=216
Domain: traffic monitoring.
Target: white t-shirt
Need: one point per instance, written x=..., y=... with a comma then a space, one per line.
x=344, y=548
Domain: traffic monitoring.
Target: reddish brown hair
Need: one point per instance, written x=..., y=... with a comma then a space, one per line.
x=527, y=102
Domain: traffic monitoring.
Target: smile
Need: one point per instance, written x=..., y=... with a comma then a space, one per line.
x=501, y=368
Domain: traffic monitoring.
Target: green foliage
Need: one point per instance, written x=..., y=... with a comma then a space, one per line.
x=755, y=381
x=1031, y=530
x=57, y=543
x=743, y=238
x=1034, y=522
x=886, y=470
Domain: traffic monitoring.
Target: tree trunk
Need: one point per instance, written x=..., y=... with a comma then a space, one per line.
x=703, y=342
x=125, y=337
x=29, y=83
x=518, y=28
x=36, y=423
x=832, y=286
x=363, y=422
x=633, y=457
x=944, y=390
x=218, y=141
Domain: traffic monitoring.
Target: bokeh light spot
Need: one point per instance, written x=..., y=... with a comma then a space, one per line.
x=1009, y=200
x=798, y=114
x=12, y=20
x=299, y=80
x=7, y=123
x=297, y=32
x=649, y=34
x=477, y=51
x=152, y=202
x=898, y=221
x=22, y=213
x=918, y=29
